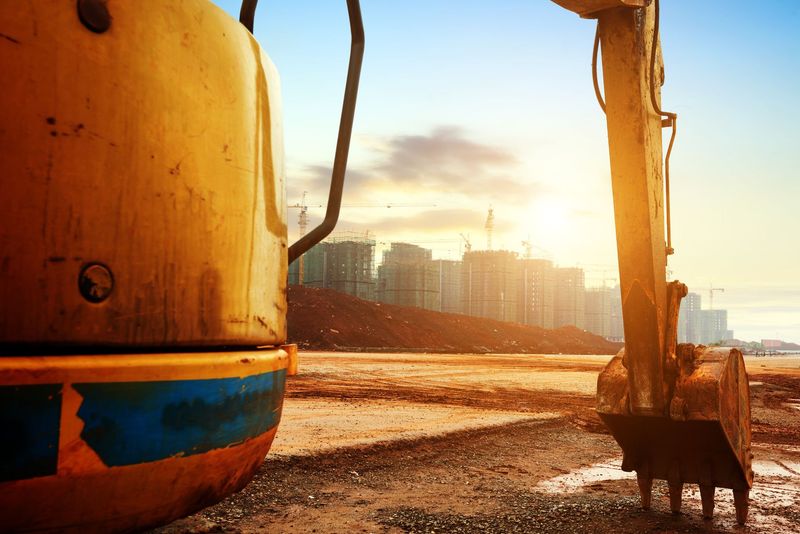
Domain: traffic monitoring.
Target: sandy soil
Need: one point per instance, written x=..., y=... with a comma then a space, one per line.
x=477, y=443
x=324, y=319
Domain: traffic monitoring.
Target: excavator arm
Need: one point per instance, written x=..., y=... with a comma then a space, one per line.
x=679, y=412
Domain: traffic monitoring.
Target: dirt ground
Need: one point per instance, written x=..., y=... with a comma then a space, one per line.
x=324, y=319
x=484, y=443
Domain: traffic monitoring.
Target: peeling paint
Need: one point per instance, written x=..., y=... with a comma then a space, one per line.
x=134, y=422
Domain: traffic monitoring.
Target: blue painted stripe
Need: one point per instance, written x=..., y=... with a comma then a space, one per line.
x=133, y=422
x=29, y=425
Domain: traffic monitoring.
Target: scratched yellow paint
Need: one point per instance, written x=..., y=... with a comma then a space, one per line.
x=154, y=148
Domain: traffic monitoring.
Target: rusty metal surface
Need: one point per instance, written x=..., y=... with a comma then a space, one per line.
x=705, y=437
x=122, y=442
x=590, y=8
x=153, y=149
x=680, y=413
x=634, y=137
x=291, y=350
x=318, y=233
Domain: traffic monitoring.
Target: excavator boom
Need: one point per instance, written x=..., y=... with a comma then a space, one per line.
x=679, y=412
x=634, y=140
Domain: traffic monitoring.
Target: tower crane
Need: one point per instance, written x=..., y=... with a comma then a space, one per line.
x=302, y=221
x=528, y=246
x=711, y=290
x=467, y=243
x=489, y=228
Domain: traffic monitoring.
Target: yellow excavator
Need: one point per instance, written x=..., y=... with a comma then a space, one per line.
x=144, y=254
x=680, y=412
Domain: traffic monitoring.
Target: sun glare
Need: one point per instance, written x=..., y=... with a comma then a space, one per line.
x=549, y=221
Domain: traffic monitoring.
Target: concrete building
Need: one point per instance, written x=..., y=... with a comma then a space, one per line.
x=617, y=324
x=537, y=290
x=294, y=273
x=598, y=311
x=490, y=282
x=408, y=277
x=449, y=272
x=344, y=263
x=569, y=299
x=714, y=326
x=699, y=326
x=689, y=319
x=313, y=267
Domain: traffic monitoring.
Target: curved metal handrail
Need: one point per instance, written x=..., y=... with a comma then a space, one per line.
x=246, y=16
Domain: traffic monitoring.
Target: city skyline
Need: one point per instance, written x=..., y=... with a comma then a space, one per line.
x=493, y=105
x=495, y=284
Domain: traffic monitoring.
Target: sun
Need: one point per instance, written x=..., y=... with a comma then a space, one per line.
x=549, y=223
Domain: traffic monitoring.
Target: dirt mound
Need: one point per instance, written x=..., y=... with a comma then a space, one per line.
x=323, y=319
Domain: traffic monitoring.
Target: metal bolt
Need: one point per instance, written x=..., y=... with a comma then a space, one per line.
x=94, y=15
x=95, y=282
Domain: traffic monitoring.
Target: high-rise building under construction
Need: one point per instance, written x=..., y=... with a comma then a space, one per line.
x=344, y=262
x=537, y=292
x=569, y=297
x=449, y=272
x=408, y=277
x=490, y=281
x=598, y=314
x=699, y=326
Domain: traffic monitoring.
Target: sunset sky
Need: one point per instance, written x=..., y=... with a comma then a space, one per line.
x=466, y=105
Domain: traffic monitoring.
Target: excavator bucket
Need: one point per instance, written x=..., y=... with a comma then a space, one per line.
x=705, y=438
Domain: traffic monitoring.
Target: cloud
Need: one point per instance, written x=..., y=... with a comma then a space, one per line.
x=445, y=154
x=444, y=220
x=445, y=165
x=316, y=179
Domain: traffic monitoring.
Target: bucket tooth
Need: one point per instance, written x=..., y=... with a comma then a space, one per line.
x=645, y=489
x=628, y=464
x=707, y=487
x=707, y=498
x=675, y=487
x=644, y=477
x=741, y=501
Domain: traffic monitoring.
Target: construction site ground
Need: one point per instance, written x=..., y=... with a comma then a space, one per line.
x=484, y=443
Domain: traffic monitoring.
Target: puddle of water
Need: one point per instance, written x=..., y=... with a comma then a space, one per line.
x=575, y=480
x=764, y=493
x=777, y=482
x=780, y=469
x=765, y=450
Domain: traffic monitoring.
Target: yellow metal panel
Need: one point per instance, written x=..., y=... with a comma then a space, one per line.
x=153, y=149
x=591, y=8
x=634, y=140
x=291, y=351
x=24, y=370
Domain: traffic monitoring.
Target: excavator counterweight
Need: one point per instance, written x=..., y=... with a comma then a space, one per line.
x=143, y=259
